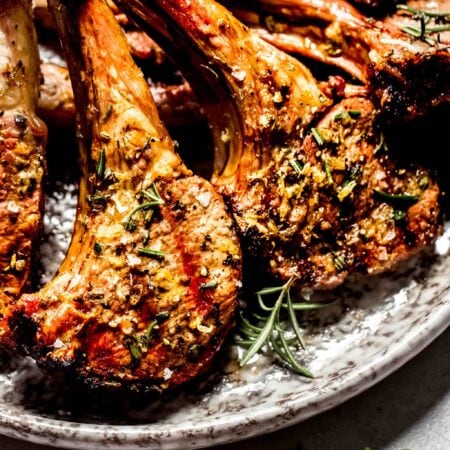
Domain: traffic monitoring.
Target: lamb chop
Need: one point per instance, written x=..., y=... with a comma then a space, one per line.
x=147, y=292
x=408, y=74
x=314, y=194
x=22, y=148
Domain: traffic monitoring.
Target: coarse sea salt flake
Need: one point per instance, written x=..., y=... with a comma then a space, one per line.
x=204, y=199
x=167, y=373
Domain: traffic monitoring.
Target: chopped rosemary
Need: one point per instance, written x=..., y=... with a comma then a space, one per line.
x=270, y=330
x=296, y=166
x=347, y=189
x=381, y=145
x=155, y=200
x=209, y=285
x=398, y=200
x=145, y=251
x=318, y=137
x=326, y=167
x=352, y=113
x=101, y=165
x=135, y=351
x=133, y=345
x=98, y=248
x=339, y=262
x=146, y=339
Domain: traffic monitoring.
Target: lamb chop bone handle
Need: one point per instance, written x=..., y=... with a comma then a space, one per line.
x=94, y=104
x=202, y=73
x=249, y=77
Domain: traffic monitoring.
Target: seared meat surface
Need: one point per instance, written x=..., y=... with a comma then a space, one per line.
x=313, y=191
x=392, y=62
x=148, y=289
x=22, y=141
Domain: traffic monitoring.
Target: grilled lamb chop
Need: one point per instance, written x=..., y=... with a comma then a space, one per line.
x=314, y=195
x=22, y=142
x=407, y=76
x=148, y=289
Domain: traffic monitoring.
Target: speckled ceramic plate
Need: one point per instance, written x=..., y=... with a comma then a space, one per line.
x=374, y=327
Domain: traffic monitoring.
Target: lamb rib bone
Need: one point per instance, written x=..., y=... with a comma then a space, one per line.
x=406, y=76
x=177, y=104
x=141, y=46
x=148, y=289
x=313, y=193
x=22, y=148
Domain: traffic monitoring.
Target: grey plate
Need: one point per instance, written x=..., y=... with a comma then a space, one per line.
x=375, y=327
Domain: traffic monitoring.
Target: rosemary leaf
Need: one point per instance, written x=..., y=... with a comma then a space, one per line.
x=293, y=318
x=265, y=333
x=318, y=137
x=101, y=164
x=145, y=251
x=399, y=199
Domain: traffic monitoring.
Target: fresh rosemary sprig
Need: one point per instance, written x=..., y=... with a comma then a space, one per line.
x=273, y=329
x=423, y=30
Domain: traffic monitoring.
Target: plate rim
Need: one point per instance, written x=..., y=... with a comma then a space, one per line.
x=246, y=424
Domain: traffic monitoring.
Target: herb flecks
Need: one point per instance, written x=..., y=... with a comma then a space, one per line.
x=346, y=115
x=296, y=166
x=98, y=249
x=139, y=344
x=155, y=200
x=318, y=137
x=101, y=165
x=151, y=252
x=398, y=200
x=270, y=330
x=339, y=262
